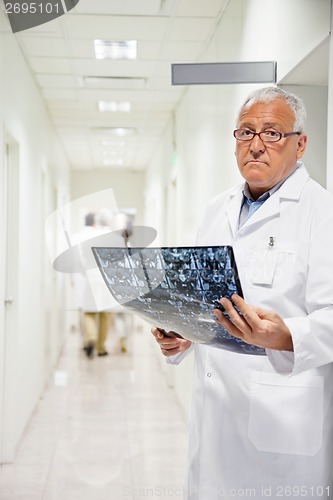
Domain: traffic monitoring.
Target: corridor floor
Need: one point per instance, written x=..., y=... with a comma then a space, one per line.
x=108, y=428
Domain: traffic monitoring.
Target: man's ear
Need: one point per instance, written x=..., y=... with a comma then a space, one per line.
x=301, y=145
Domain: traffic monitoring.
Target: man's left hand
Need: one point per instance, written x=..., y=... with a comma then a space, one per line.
x=254, y=325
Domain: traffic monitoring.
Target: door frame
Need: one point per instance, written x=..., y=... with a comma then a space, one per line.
x=9, y=297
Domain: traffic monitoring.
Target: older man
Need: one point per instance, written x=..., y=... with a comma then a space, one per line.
x=261, y=426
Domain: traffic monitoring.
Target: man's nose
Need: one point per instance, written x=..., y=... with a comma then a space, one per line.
x=257, y=145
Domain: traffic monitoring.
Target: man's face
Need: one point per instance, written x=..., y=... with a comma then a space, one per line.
x=264, y=164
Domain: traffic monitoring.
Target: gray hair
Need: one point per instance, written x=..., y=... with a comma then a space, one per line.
x=269, y=94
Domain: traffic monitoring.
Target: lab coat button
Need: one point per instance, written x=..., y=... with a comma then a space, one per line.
x=209, y=374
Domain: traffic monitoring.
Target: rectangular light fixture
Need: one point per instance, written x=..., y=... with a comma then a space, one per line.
x=223, y=73
x=114, y=106
x=105, y=49
x=114, y=82
x=118, y=131
x=112, y=162
x=113, y=144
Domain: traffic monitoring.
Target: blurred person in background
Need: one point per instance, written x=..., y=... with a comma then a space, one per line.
x=97, y=318
x=95, y=323
x=122, y=224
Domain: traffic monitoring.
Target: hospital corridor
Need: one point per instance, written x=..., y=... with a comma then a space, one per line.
x=105, y=428
x=117, y=128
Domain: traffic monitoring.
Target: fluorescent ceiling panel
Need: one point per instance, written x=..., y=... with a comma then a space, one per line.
x=114, y=106
x=112, y=162
x=105, y=49
x=118, y=131
x=112, y=82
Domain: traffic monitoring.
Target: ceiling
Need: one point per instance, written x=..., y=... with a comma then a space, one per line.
x=61, y=56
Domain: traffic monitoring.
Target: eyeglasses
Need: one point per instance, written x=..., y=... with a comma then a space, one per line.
x=244, y=134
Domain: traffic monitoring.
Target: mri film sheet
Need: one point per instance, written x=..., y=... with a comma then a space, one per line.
x=176, y=288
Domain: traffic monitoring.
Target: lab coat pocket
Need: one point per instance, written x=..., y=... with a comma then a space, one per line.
x=272, y=267
x=286, y=413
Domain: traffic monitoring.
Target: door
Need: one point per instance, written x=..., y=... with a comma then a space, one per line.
x=9, y=298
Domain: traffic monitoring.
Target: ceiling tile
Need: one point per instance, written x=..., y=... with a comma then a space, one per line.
x=105, y=67
x=116, y=7
x=153, y=95
x=199, y=8
x=51, y=65
x=181, y=51
x=56, y=81
x=44, y=46
x=59, y=93
x=191, y=29
x=51, y=29
x=116, y=28
x=149, y=50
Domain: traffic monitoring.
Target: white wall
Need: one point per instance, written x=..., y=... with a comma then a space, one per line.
x=201, y=131
x=29, y=352
x=315, y=99
x=330, y=114
x=127, y=186
x=158, y=177
x=302, y=26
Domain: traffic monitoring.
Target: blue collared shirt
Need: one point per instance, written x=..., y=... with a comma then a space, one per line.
x=249, y=205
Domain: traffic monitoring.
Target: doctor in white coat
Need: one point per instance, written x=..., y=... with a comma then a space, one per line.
x=262, y=426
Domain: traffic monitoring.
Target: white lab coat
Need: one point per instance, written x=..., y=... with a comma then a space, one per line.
x=261, y=426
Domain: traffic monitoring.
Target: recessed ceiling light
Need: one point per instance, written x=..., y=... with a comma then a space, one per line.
x=119, y=131
x=112, y=82
x=107, y=154
x=112, y=162
x=122, y=131
x=105, y=49
x=114, y=106
x=115, y=144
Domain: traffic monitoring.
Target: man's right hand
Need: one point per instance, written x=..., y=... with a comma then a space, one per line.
x=170, y=345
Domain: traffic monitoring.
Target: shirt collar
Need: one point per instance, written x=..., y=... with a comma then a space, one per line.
x=247, y=194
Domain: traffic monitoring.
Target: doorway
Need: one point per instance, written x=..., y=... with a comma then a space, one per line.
x=9, y=305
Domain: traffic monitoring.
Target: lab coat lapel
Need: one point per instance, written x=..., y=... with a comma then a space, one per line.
x=233, y=208
x=290, y=190
x=269, y=209
x=293, y=186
